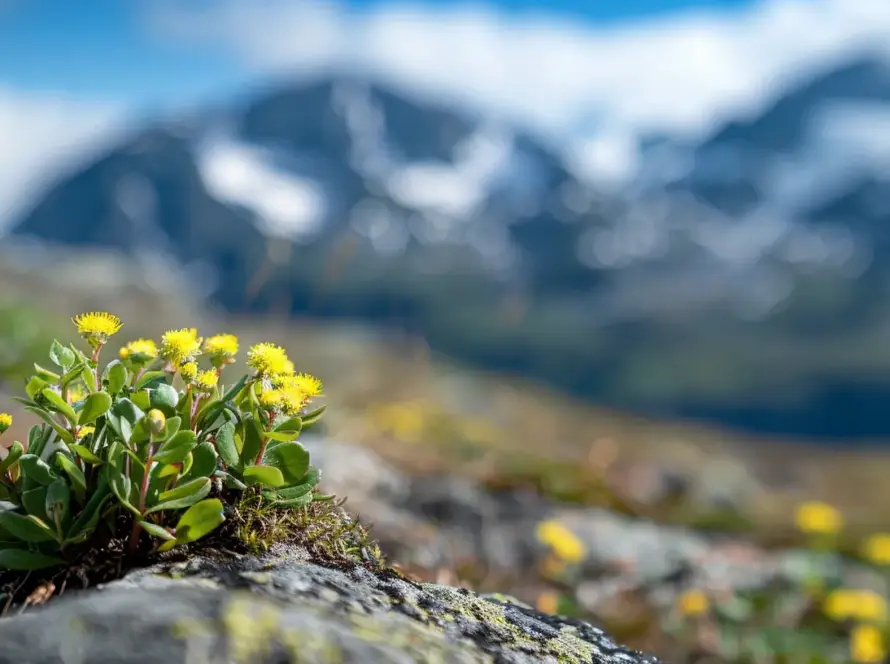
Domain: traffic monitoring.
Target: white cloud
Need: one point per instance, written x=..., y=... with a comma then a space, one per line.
x=41, y=136
x=676, y=72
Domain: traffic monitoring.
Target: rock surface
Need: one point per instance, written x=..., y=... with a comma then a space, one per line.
x=284, y=608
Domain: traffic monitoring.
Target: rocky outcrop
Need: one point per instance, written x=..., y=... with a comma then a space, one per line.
x=285, y=608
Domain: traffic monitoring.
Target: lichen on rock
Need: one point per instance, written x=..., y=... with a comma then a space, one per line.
x=282, y=607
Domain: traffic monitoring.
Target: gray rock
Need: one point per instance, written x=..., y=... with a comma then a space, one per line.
x=283, y=608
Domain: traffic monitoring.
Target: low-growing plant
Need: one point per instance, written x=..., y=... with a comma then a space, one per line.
x=149, y=439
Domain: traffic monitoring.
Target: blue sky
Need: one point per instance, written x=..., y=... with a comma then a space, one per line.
x=104, y=49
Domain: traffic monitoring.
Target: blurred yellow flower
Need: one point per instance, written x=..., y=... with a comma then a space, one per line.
x=876, y=548
x=77, y=393
x=562, y=541
x=850, y=604
x=270, y=399
x=207, y=380
x=292, y=401
x=142, y=349
x=97, y=326
x=552, y=567
x=867, y=644
x=548, y=602
x=693, y=602
x=308, y=385
x=5, y=421
x=180, y=346
x=83, y=432
x=816, y=517
x=222, y=346
x=188, y=371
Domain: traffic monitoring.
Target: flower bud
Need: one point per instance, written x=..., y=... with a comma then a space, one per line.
x=5, y=421
x=156, y=421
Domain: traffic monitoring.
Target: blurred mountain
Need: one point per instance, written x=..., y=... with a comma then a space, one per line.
x=739, y=279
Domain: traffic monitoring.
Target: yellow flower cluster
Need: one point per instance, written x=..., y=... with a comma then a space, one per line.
x=206, y=380
x=867, y=644
x=851, y=604
x=282, y=389
x=141, y=350
x=5, y=421
x=180, y=346
x=562, y=541
x=269, y=360
x=876, y=549
x=223, y=347
x=818, y=518
x=693, y=602
x=97, y=326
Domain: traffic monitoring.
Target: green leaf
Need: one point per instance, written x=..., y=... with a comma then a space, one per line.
x=225, y=445
x=235, y=389
x=58, y=503
x=26, y=528
x=37, y=469
x=289, y=425
x=282, y=436
x=313, y=417
x=72, y=374
x=169, y=470
x=150, y=378
x=35, y=386
x=62, y=357
x=78, y=481
x=199, y=520
x=59, y=404
x=293, y=502
x=164, y=397
x=122, y=417
x=176, y=449
x=307, y=483
x=34, y=502
x=187, y=463
x=85, y=524
x=64, y=434
x=141, y=400
x=204, y=461
x=84, y=453
x=291, y=459
x=46, y=374
x=264, y=475
x=115, y=376
x=15, y=453
x=38, y=437
x=88, y=377
x=25, y=561
x=94, y=407
x=172, y=426
x=253, y=441
x=121, y=487
x=182, y=496
x=157, y=531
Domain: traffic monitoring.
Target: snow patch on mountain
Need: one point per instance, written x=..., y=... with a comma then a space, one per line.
x=238, y=174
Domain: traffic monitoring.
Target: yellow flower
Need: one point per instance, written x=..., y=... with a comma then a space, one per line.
x=292, y=401
x=561, y=540
x=548, y=602
x=876, y=548
x=141, y=349
x=815, y=517
x=83, y=432
x=867, y=644
x=268, y=359
x=851, y=604
x=223, y=346
x=270, y=399
x=206, y=380
x=308, y=385
x=693, y=603
x=180, y=346
x=5, y=421
x=97, y=326
x=188, y=371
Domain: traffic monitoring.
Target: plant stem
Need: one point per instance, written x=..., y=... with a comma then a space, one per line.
x=143, y=491
x=95, y=359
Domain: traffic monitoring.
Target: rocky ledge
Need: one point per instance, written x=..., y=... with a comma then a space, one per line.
x=285, y=608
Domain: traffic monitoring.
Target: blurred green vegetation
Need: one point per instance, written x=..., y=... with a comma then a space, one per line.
x=24, y=336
